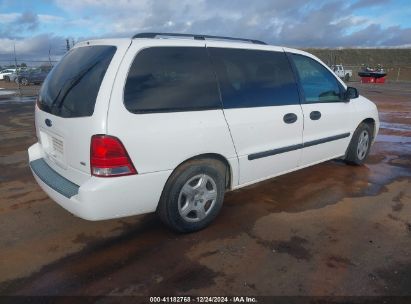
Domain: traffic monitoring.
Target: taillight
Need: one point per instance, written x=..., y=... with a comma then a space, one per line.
x=108, y=157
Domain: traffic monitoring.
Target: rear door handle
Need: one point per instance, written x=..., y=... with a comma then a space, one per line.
x=290, y=118
x=315, y=115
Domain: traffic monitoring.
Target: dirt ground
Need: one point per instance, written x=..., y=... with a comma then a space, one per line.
x=328, y=230
x=13, y=88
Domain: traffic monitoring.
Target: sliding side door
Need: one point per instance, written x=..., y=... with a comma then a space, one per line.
x=262, y=109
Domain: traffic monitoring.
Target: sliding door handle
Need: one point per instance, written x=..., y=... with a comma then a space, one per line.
x=290, y=118
x=315, y=115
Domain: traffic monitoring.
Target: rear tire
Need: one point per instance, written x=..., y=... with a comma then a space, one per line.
x=347, y=77
x=360, y=145
x=193, y=195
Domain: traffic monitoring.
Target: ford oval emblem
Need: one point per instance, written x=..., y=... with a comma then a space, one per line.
x=48, y=122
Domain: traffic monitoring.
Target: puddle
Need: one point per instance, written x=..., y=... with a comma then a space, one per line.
x=395, y=126
x=16, y=99
x=4, y=92
x=394, y=139
x=404, y=114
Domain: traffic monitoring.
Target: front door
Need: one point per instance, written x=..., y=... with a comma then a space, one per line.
x=327, y=130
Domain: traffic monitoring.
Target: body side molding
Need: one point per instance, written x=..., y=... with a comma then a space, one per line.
x=297, y=146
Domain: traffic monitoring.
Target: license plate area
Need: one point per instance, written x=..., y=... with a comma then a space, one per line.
x=53, y=146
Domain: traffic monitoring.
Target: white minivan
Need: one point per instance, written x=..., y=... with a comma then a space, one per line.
x=170, y=122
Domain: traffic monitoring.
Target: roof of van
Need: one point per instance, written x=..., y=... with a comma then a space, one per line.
x=196, y=37
x=225, y=39
x=254, y=44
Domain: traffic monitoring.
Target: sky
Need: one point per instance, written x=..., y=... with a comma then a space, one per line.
x=39, y=26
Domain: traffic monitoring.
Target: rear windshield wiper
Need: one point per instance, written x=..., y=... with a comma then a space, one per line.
x=74, y=81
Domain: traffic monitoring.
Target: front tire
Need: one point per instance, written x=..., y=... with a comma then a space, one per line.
x=24, y=81
x=193, y=195
x=360, y=145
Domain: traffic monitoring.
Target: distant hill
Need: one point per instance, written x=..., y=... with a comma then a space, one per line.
x=397, y=62
x=385, y=57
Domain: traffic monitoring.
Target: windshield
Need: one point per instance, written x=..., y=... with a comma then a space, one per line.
x=71, y=88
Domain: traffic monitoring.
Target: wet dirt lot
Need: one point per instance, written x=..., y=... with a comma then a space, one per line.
x=331, y=229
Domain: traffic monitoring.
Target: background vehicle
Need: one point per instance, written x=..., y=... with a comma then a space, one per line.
x=341, y=72
x=35, y=76
x=6, y=72
x=13, y=76
x=131, y=126
x=377, y=72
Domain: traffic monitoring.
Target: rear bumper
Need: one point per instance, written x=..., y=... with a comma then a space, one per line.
x=99, y=198
x=52, y=179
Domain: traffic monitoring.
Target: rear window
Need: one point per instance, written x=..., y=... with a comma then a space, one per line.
x=254, y=78
x=71, y=88
x=171, y=79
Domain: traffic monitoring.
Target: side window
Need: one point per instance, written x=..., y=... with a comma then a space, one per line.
x=254, y=78
x=318, y=83
x=171, y=79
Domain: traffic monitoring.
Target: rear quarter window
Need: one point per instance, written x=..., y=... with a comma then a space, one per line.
x=163, y=79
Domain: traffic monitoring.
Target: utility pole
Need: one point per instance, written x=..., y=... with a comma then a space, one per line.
x=15, y=65
x=49, y=55
x=15, y=57
x=67, y=45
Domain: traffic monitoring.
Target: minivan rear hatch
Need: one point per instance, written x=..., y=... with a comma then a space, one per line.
x=73, y=102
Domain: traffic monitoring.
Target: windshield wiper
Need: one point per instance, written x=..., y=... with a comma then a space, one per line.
x=74, y=81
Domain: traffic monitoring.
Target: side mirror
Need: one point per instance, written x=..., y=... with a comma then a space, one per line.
x=351, y=93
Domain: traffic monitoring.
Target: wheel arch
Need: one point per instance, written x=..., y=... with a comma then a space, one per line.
x=371, y=122
x=208, y=156
x=204, y=156
x=211, y=156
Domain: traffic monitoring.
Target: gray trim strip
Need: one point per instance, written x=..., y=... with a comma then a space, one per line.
x=52, y=179
x=326, y=139
x=274, y=152
x=297, y=147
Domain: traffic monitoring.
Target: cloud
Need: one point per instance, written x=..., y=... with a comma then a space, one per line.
x=285, y=22
x=16, y=29
x=10, y=17
x=13, y=24
x=27, y=21
x=45, y=18
x=295, y=23
x=31, y=48
x=368, y=3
